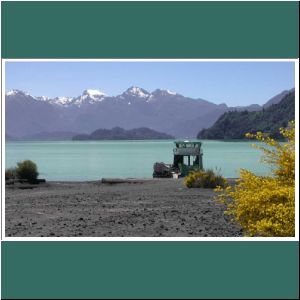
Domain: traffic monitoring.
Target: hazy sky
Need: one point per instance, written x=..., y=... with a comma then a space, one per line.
x=233, y=83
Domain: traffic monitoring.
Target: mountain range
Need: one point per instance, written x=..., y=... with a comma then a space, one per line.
x=160, y=110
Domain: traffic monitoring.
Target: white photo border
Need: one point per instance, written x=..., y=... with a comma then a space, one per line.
x=148, y=239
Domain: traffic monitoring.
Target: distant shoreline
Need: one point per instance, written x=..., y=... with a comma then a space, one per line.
x=139, y=140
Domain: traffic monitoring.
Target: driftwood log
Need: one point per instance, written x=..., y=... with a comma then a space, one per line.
x=35, y=181
x=120, y=180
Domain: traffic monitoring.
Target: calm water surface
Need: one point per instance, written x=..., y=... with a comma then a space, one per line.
x=92, y=160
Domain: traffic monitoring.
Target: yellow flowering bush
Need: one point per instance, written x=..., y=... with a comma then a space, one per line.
x=265, y=205
x=204, y=179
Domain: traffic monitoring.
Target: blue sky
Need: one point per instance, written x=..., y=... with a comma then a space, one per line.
x=233, y=83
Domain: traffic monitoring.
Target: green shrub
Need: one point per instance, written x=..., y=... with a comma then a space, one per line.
x=27, y=169
x=205, y=179
x=10, y=173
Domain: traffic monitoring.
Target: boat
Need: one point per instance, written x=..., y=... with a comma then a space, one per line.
x=187, y=157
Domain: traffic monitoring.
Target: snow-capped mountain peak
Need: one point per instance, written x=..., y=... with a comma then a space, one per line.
x=63, y=101
x=90, y=96
x=171, y=93
x=137, y=92
x=164, y=92
x=93, y=93
x=16, y=92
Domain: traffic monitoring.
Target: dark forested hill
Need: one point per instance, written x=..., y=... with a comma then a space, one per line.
x=118, y=133
x=234, y=124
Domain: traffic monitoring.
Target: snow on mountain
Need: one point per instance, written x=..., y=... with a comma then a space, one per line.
x=43, y=98
x=166, y=92
x=163, y=92
x=12, y=93
x=137, y=92
x=171, y=93
x=16, y=92
x=58, y=100
x=89, y=96
x=92, y=96
x=63, y=101
x=93, y=93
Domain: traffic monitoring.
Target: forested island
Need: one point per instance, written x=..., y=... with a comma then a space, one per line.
x=118, y=133
x=235, y=124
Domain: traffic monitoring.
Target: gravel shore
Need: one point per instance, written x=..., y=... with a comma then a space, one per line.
x=146, y=208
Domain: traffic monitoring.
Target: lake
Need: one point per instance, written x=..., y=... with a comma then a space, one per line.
x=93, y=160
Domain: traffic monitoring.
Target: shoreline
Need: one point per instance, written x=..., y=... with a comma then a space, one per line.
x=125, y=179
x=135, y=208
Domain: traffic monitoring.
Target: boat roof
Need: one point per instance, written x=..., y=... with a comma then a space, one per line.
x=194, y=142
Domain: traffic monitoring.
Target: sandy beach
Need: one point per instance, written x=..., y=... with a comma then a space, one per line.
x=146, y=208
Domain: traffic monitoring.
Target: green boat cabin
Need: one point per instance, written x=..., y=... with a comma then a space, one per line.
x=187, y=156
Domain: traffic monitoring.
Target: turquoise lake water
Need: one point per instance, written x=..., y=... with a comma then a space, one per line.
x=93, y=160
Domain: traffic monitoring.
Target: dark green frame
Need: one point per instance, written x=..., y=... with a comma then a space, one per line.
x=189, y=270
x=150, y=29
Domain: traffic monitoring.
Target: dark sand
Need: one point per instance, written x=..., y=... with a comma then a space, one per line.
x=151, y=208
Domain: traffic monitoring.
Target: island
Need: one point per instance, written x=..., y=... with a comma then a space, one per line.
x=118, y=133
